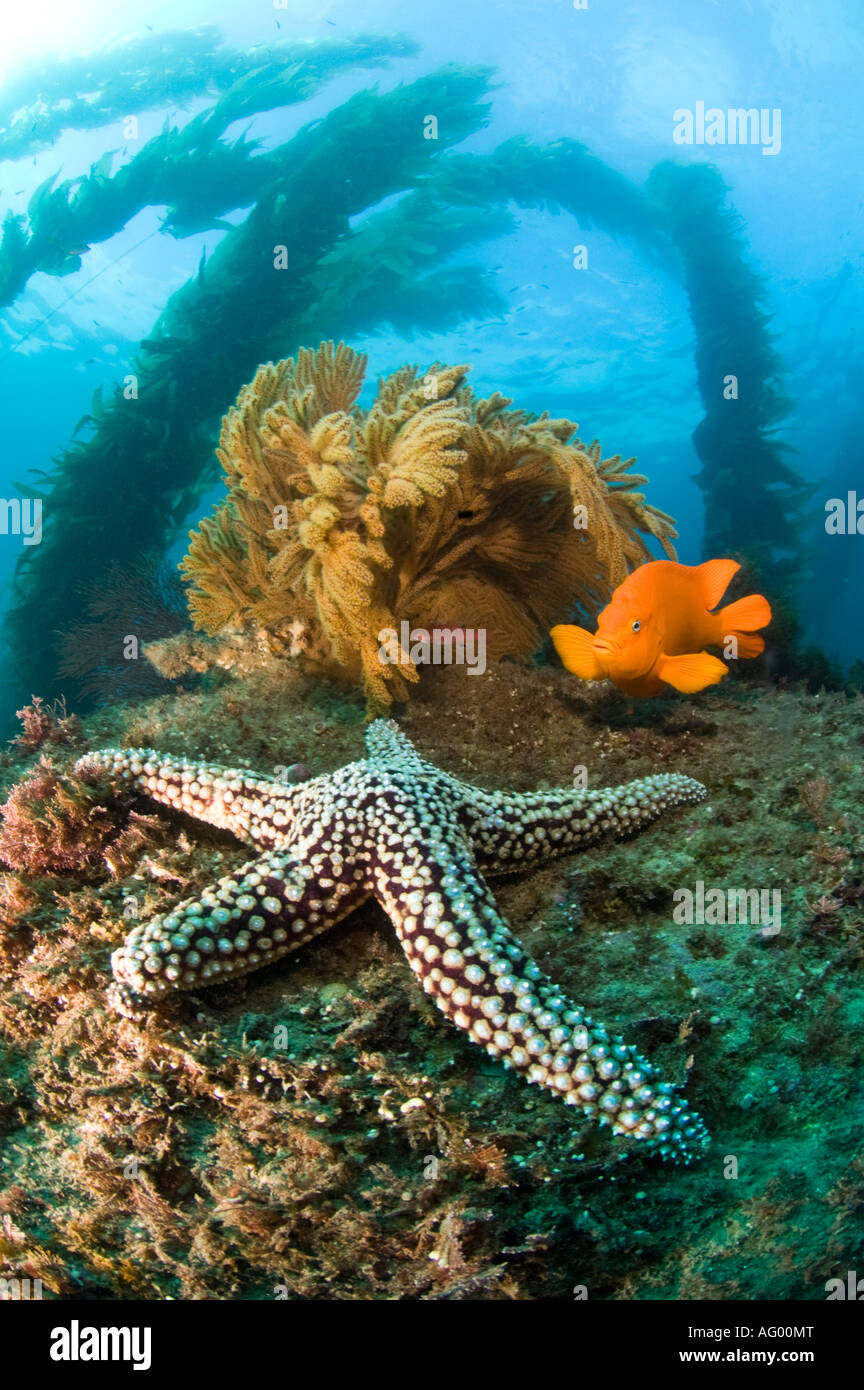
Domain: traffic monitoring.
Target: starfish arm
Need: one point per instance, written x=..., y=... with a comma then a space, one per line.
x=477, y=973
x=513, y=831
x=387, y=743
x=263, y=911
x=257, y=809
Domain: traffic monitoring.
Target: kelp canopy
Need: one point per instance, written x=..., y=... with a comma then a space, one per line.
x=432, y=506
x=350, y=267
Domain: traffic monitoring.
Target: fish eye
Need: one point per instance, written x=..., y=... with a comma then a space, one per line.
x=636, y=625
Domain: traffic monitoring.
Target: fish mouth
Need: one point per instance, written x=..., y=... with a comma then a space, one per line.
x=604, y=646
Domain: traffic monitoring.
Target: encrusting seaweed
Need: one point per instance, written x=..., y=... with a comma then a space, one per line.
x=314, y=1128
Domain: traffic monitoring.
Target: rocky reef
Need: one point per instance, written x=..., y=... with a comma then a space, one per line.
x=317, y=1130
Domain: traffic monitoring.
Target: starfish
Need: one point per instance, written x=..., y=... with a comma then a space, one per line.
x=395, y=827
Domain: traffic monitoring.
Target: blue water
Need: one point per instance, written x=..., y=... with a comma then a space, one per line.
x=610, y=346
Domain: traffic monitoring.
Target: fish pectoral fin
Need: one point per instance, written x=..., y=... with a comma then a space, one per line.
x=714, y=579
x=575, y=647
x=691, y=672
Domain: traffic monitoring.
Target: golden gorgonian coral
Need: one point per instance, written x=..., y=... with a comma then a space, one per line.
x=432, y=507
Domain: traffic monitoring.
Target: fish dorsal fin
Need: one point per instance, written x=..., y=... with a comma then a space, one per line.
x=714, y=577
x=691, y=672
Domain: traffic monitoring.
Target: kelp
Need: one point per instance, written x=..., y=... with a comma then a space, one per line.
x=391, y=270
x=190, y=170
x=753, y=493
x=214, y=331
x=398, y=255
x=89, y=91
x=561, y=176
x=432, y=507
x=353, y=267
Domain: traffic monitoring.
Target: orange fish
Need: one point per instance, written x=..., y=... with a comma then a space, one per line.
x=652, y=631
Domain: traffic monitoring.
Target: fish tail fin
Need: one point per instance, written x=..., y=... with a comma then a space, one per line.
x=575, y=647
x=691, y=672
x=746, y=614
x=714, y=577
x=748, y=644
x=738, y=621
